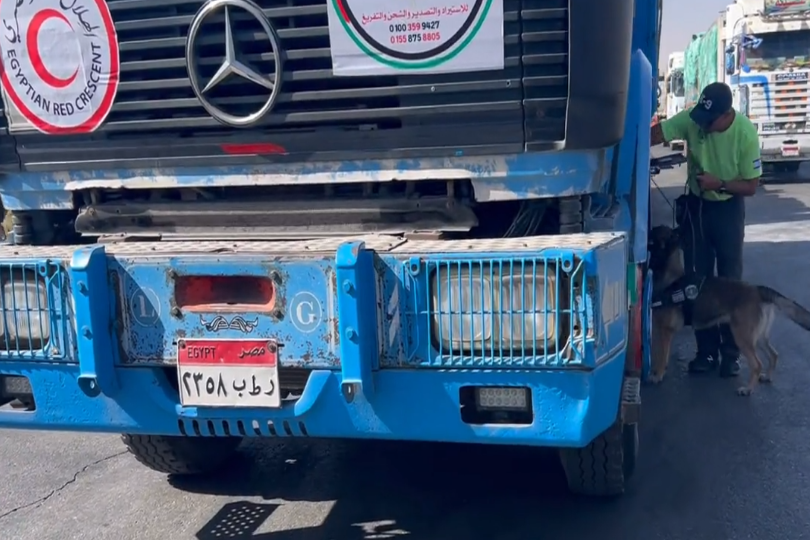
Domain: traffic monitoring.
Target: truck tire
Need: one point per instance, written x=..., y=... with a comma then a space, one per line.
x=36, y=227
x=570, y=216
x=22, y=228
x=602, y=468
x=181, y=455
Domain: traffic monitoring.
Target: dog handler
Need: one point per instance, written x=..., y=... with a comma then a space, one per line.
x=723, y=167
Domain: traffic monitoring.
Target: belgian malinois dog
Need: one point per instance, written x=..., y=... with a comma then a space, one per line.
x=748, y=309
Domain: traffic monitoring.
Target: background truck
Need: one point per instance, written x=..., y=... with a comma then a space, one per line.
x=675, y=90
x=313, y=239
x=661, y=110
x=760, y=48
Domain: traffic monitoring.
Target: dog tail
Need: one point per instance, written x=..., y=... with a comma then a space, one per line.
x=791, y=309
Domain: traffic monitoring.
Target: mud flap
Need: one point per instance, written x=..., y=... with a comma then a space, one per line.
x=646, y=326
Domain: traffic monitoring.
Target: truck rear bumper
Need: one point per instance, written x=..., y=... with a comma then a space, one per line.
x=785, y=147
x=570, y=408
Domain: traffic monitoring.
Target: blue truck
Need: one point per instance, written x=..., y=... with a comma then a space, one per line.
x=218, y=234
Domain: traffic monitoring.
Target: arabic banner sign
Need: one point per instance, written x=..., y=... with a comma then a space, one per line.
x=774, y=7
x=380, y=37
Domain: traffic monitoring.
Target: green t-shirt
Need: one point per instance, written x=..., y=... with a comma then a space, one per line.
x=730, y=155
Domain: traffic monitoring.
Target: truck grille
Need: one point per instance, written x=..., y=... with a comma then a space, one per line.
x=158, y=121
x=523, y=312
x=784, y=103
x=9, y=161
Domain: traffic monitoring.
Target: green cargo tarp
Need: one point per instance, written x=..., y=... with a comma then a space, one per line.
x=700, y=64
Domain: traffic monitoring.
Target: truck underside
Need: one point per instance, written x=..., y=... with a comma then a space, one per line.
x=438, y=209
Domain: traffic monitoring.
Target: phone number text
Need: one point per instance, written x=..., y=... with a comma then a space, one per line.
x=415, y=38
x=413, y=27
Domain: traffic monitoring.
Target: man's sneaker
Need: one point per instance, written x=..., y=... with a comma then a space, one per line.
x=729, y=366
x=703, y=364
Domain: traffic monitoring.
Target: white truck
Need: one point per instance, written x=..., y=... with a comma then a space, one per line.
x=673, y=82
x=761, y=49
x=661, y=109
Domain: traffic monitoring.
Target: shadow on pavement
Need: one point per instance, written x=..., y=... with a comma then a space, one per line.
x=387, y=490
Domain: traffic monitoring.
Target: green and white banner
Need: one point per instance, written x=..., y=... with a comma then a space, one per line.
x=384, y=37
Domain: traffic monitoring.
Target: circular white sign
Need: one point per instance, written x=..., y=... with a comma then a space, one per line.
x=306, y=311
x=60, y=62
x=421, y=31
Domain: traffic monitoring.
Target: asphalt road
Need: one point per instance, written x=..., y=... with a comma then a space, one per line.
x=713, y=465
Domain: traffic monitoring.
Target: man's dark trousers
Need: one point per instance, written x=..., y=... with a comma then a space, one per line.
x=713, y=233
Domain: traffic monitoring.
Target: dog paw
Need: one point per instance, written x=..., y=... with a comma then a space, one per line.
x=743, y=391
x=763, y=378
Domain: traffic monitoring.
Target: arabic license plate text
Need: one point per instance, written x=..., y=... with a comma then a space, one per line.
x=228, y=373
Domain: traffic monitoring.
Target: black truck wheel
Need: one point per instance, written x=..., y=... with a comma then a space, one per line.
x=602, y=468
x=181, y=455
x=570, y=215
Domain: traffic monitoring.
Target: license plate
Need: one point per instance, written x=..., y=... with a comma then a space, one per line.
x=228, y=373
x=792, y=76
x=790, y=151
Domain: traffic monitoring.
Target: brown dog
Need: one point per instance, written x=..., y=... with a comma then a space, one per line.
x=748, y=309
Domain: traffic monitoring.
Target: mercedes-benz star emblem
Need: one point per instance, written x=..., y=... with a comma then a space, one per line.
x=231, y=64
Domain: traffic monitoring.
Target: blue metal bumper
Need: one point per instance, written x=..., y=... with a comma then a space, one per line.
x=571, y=408
x=373, y=371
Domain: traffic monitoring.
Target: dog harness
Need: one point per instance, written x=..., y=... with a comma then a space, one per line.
x=682, y=292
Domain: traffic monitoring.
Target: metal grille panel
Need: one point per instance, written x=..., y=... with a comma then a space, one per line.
x=511, y=313
x=34, y=302
x=157, y=120
x=782, y=104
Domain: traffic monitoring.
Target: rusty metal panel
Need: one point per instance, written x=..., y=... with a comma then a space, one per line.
x=301, y=316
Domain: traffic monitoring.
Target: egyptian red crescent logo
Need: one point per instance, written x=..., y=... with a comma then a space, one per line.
x=32, y=45
x=60, y=63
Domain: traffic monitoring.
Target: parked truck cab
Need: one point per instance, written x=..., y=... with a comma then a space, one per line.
x=322, y=218
x=675, y=90
x=758, y=48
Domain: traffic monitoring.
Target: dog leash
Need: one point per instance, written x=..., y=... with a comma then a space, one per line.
x=688, y=212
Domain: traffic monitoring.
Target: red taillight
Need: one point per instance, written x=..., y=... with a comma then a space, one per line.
x=224, y=293
x=253, y=149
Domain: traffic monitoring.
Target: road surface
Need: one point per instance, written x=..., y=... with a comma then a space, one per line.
x=713, y=465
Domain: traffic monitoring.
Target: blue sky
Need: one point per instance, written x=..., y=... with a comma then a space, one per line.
x=682, y=18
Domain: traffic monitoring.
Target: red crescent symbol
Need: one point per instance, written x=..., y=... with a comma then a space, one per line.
x=32, y=44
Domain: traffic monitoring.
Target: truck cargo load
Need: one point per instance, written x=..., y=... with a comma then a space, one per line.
x=700, y=64
x=760, y=49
